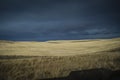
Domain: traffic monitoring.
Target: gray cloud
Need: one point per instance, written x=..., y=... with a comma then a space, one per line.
x=58, y=19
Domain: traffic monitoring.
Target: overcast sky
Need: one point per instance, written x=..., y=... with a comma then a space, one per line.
x=41, y=20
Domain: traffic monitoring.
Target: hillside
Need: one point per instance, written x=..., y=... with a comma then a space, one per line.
x=54, y=59
x=58, y=48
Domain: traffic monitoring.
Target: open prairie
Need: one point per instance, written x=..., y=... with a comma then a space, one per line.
x=58, y=48
x=22, y=60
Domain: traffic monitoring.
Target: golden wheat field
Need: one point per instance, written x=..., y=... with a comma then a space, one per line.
x=23, y=60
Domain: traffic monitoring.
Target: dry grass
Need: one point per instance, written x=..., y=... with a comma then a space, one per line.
x=56, y=58
x=57, y=48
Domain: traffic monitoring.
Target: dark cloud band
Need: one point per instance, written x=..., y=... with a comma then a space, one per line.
x=59, y=19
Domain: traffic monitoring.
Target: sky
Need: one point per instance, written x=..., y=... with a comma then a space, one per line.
x=42, y=20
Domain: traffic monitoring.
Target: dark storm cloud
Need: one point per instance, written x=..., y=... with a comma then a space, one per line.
x=59, y=19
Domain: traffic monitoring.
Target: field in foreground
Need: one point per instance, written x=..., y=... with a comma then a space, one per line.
x=39, y=60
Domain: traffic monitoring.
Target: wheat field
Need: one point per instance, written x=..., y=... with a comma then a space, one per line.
x=23, y=60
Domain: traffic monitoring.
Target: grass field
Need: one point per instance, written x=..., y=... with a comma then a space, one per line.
x=39, y=60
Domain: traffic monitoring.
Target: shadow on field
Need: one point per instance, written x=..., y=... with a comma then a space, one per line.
x=3, y=57
x=92, y=74
x=115, y=50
